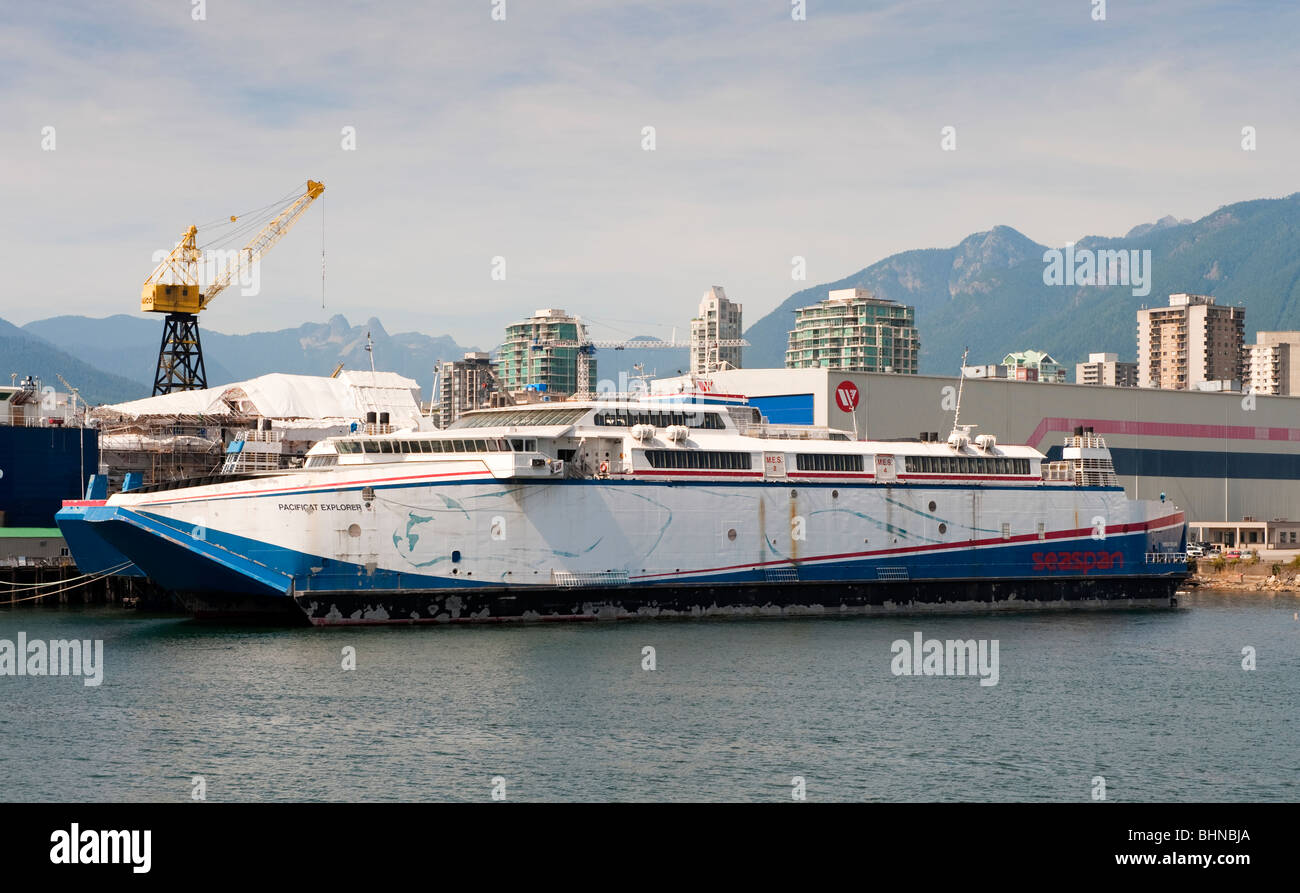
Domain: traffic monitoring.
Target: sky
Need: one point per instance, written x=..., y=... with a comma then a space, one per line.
x=524, y=139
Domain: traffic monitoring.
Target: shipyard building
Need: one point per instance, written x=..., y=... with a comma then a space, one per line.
x=1222, y=457
x=46, y=455
x=262, y=424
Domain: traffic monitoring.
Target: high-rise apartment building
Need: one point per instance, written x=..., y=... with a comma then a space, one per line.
x=719, y=320
x=464, y=385
x=528, y=358
x=854, y=331
x=1191, y=341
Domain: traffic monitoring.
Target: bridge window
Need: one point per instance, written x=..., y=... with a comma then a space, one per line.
x=659, y=419
x=520, y=417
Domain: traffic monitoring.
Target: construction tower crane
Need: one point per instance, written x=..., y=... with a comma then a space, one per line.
x=587, y=349
x=173, y=288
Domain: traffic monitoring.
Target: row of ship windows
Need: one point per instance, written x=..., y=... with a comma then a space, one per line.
x=840, y=462
x=623, y=418
x=966, y=465
x=697, y=459
x=828, y=462
x=479, y=445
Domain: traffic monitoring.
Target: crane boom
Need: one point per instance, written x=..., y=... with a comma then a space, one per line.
x=173, y=286
x=262, y=242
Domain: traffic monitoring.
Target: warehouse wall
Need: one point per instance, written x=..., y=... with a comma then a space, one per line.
x=1214, y=455
x=39, y=468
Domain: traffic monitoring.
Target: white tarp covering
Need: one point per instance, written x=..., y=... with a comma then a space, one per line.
x=282, y=396
x=205, y=402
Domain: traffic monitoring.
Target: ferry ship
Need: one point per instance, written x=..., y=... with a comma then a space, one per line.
x=647, y=507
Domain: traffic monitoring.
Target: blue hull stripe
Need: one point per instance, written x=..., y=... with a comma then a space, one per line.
x=168, y=555
x=89, y=550
x=217, y=561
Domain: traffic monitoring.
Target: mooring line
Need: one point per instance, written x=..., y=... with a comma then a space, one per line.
x=86, y=579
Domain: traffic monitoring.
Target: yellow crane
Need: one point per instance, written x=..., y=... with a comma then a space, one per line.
x=173, y=288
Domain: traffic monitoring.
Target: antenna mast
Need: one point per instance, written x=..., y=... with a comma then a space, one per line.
x=961, y=381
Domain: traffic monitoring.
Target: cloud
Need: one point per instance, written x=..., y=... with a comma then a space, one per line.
x=523, y=139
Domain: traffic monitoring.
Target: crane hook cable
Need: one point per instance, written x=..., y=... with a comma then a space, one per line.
x=281, y=201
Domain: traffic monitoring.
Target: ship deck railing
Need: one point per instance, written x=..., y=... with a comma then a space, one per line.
x=788, y=432
x=1058, y=472
x=1166, y=558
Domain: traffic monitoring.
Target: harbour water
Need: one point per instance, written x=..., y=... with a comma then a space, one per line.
x=1157, y=703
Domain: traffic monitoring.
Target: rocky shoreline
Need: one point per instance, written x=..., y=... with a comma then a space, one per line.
x=1248, y=578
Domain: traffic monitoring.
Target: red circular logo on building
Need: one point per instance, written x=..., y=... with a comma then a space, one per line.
x=846, y=396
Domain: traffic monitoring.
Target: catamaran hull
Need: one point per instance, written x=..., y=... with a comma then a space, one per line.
x=659, y=602
x=433, y=551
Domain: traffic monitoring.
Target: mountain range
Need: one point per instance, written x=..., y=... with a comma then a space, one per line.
x=23, y=354
x=987, y=293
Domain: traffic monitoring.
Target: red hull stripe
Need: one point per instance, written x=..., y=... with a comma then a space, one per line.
x=968, y=477
x=710, y=472
x=827, y=474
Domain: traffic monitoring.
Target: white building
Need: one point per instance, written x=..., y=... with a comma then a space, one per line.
x=719, y=320
x=1106, y=369
x=1272, y=364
